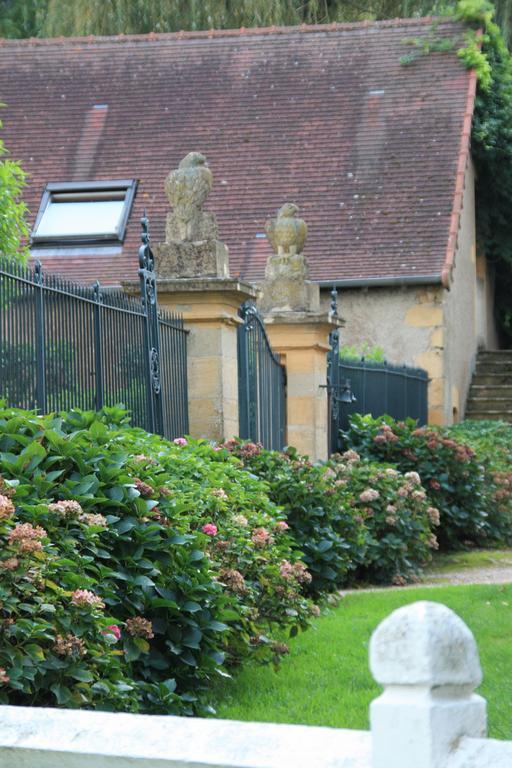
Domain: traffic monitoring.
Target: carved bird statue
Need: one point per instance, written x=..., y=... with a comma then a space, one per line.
x=287, y=234
x=190, y=184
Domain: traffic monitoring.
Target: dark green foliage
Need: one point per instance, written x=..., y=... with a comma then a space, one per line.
x=17, y=371
x=21, y=18
x=122, y=514
x=492, y=443
x=331, y=540
x=492, y=153
x=395, y=515
x=452, y=474
x=351, y=519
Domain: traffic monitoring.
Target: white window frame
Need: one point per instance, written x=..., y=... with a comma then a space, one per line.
x=85, y=191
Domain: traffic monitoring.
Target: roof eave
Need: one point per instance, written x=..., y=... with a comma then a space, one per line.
x=382, y=282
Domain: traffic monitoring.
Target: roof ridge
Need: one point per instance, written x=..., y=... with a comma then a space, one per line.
x=219, y=33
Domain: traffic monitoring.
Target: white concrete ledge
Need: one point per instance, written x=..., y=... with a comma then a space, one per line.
x=52, y=738
x=482, y=753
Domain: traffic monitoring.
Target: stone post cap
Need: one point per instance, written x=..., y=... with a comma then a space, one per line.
x=425, y=644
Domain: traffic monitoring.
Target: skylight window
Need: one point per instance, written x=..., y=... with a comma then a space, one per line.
x=86, y=212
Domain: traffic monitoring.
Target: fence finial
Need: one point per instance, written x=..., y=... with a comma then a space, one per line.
x=427, y=660
x=144, y=222
x=334, y=302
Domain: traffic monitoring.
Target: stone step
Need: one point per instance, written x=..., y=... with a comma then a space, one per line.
x=489, y=403
x=498, y=354
x=490, y=390
x=492, y=379
x=493, y=366
x=488, y=415
x=490, y=394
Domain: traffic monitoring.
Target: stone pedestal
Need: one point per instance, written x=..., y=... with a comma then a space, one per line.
x=208, y=258
x=210, y=311
x=287, y=287
x=302, y=341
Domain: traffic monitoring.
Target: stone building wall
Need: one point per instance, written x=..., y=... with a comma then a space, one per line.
x=432, y=327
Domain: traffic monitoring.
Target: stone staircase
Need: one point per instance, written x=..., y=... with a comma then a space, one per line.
x=490, y=395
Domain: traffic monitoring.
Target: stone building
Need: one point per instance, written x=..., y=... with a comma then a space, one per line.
x=375, y=153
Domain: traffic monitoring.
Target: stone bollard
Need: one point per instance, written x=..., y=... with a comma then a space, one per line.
x=427, y=660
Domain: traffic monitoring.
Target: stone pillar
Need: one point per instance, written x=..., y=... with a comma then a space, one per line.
x=301, y=340
x=192, y=268
x=427, y=660
x=210, y=311
x=298, y=331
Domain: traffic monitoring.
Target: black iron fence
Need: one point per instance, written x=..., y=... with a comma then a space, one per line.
x=64, y=345
x=379, y=388
x=261, y=384
x=368, y=387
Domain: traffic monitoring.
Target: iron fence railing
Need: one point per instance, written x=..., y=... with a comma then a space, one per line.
x=378, y=389
x=64, y=345
x=360, y=386
x=261, y=383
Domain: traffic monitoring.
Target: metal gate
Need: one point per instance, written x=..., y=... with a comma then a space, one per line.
x=261, y=383
x=64, y=345
x=373, y=388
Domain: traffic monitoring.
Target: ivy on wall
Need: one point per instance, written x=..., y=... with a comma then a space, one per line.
x=492, y=152
x=485, y=51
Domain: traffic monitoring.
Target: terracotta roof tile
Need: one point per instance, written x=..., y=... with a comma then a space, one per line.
x=327, y=117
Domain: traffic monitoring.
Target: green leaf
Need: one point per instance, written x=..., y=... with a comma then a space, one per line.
x=217, y=626
x=141, y=644
x=81, y=674
x=143, y=581
x=126, y=524
x=191, y=607
x=35, y=651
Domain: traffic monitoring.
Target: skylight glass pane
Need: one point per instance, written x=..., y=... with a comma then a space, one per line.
x=80, y=219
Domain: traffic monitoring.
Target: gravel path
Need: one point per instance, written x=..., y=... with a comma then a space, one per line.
x=489, y=575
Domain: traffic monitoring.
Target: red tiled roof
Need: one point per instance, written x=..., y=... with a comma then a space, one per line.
x=327, y=117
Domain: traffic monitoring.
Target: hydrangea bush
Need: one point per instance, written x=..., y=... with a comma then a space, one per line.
x=331, y=539
x=492, y=443
x=133, y=569
x=352, y=519
x=399, y=522
x=452, y=473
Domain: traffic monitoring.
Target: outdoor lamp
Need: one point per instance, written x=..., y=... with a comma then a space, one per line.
x=347, y=396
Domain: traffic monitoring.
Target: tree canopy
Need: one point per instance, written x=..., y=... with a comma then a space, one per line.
x=48, y=18
x=13, y=226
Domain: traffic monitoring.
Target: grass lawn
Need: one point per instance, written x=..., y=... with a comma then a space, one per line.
x=475, y=558
x=325, y=680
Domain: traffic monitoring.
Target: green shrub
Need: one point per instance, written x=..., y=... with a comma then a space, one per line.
x=453, y=476
x=169, y=543
x=330, y=538
x=52, y=648
x=363, y=352
x=396, y=515
x=492, y=443
x=351, y=519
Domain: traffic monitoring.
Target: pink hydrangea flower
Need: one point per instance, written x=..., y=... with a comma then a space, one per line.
x=180, y=441
x=281, y=525
x=114, y=630
x=210, y=529
x=261, y=537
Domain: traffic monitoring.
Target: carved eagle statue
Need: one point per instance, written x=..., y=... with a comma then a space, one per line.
x=191, y=183
x=287, y=234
